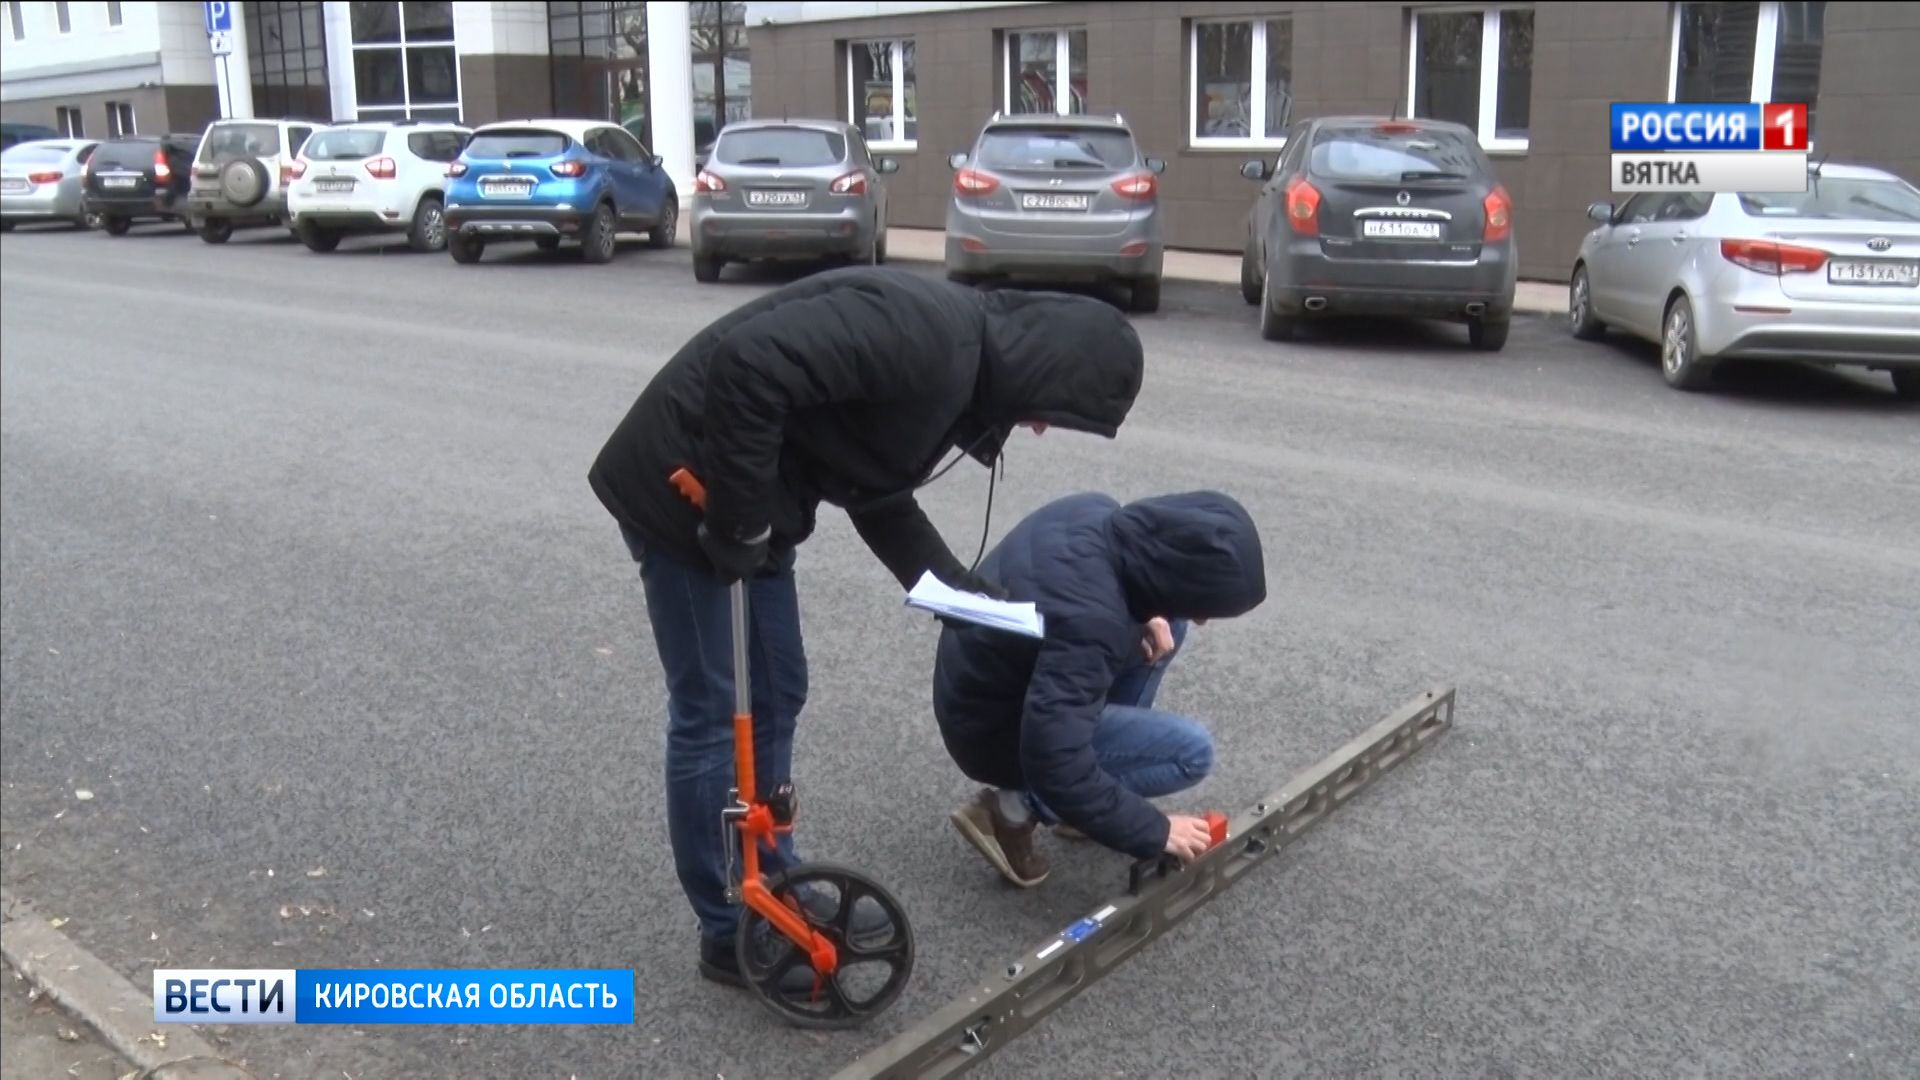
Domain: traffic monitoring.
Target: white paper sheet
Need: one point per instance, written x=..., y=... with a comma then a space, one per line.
x=932, y=594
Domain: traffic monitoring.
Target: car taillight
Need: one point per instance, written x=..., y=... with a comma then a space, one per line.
x=383, y=168
x=851, y=184
x=1392, y=127
x=974, y=182
x=1770, y=257
x=44, y=177
x=709, y=183
x=298, y=169
x=1139, y=186
x=1303, y=207
x=1499, y=215
x=569, y=168
x=457, y=168
x=162, y=171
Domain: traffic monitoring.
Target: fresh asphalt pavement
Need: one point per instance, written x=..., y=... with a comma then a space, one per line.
x=304, y=582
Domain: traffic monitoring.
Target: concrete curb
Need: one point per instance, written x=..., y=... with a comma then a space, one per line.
x=96, y=995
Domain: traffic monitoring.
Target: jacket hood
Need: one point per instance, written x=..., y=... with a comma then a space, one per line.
x=1195, y=555
x=1071, y=361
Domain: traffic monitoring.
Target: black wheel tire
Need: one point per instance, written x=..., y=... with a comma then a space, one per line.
x=706, y=268
x=465, y=249
x=1680, y=361
x=1273, y=325
x=429, y=229
x=880, y=247
x=547, y=243
x=116, y=226
x=1249, y=275
x=216, y=230
x=1489, y=334
x=1581, y=320
x=1906, y=384
x=598, y=243
x=1146, y=295
x=663, y=232
x=805, y=1015
x=89, y=221
x=318, y=239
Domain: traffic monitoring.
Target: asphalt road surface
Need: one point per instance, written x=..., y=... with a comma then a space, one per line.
x=304, y=582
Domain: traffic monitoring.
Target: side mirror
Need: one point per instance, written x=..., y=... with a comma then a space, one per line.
x=954, y=161
x=1601, y=212
x=656, y=161
x=887, y=165
x=1158, y=165
x=1254, y=170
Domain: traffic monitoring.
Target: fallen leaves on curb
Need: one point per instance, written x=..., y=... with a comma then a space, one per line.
x=67, y=1034
x=57, y=922
x=157, y=1038
x=83, y=794
x=318, y=871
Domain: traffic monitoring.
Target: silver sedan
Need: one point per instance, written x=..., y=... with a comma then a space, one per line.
x=42, y=181
x=1830, y=276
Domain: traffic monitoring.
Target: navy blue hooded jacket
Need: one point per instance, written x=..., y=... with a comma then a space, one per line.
x=1021, y=713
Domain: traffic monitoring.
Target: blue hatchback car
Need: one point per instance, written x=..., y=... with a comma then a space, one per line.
x=554, y=180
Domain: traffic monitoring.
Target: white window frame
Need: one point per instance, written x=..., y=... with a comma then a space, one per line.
x=115, y=128
x=408, y=105
x=1259, y=117
x=1489, y=70
x=1062, y=66
x=1766, y=44
x=898, y=121
x=72, y=121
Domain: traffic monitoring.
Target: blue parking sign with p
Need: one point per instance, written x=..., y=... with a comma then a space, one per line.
x=219, y=17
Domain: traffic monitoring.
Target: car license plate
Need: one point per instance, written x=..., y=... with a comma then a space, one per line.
x=13, y=184
x=1879, y=272
x=1052, y=201
x=120, y=181
x=333, y=184
x=513, y=188
x=1400, y=230
x=776, y=198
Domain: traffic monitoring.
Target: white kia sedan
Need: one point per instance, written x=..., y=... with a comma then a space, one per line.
x=1830, y=276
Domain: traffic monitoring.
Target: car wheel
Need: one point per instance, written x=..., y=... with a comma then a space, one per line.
x=1250, y=284
x=598, y=245
x=116, y=226
x=1273, y=325
x=464, y=249
x=665, y=229
x=880, y=247
x=216, y=230
x=318, y=239
x=1906, y=383
x=429, y=231
x=706, y=268
x=1146, y=295
x=1680, y=360
x=1488, y=334
x=1580, y=317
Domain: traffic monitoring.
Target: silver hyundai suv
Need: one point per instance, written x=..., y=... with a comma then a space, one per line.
x=1057, y=198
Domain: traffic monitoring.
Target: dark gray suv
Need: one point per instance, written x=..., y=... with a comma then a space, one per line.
x=1377, y=216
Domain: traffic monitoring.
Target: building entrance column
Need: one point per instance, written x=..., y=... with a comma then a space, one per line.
x=670, y=73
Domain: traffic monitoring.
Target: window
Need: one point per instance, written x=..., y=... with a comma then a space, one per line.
x=1242, y=90
x=68, y=119
x=113, y=13
x=1450, y=75
x=1046, y=71
x=404, y=61
x=880, y=93
x=599, y=53
x=722, y=69
x=287, y=47
x=64, y=14
x=1728, y=53
x=13, y=20
x=120, y=119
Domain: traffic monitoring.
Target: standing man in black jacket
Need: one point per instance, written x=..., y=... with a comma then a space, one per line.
x=1065, y=726
x=847, y=388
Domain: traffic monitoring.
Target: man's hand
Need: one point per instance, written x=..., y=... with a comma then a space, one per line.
x=1157, y=643
x=1187, y=837
x=734, y=560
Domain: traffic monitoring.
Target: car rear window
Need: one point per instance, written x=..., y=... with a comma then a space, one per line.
x=345, y=144
x=224, y=142
x=135, y=155
x=1046, y=148
x=1392, y=153
x=36, y=155
x=794, y=148
x=524, y=143
x=1840, y=199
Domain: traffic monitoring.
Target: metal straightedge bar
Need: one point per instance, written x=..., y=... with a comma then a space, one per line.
x=1160, y=896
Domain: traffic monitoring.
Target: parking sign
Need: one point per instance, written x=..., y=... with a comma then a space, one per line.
x=219, y=17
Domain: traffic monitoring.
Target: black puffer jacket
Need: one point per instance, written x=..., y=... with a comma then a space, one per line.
x=849, y=387
x=1021, y=713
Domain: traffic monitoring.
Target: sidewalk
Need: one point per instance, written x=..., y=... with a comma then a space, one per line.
x=38, y=1038
x=929, y=245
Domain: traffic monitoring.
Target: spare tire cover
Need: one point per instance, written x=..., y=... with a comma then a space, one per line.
x=243, y=181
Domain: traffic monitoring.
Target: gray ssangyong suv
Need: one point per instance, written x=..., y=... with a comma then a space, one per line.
x=1057, y=198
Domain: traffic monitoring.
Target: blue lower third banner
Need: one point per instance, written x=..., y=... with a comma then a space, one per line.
x=380, y=996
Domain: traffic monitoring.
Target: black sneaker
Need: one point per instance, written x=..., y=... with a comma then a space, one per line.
x=721, y=964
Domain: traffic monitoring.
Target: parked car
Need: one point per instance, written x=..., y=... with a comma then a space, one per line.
x=13, y=133
x=140, y=178
x=1831, y=276
x=241, y=173
x=374, y=177
x=1374, y=216
x=1057, y=198
x=549, y=180
x=44, y=181
x=782, y=189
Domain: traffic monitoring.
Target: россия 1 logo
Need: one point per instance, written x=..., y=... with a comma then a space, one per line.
x=1688, y=146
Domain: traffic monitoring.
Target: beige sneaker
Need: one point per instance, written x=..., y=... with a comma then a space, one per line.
x=1008, y=847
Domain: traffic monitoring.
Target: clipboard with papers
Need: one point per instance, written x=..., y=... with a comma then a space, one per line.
x=936, y=596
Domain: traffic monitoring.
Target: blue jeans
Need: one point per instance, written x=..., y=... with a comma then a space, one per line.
x=692, y=629
x=1150, y=751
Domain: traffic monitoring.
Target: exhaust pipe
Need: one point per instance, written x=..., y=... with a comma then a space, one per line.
x=1316, y=303
x=1476, y=309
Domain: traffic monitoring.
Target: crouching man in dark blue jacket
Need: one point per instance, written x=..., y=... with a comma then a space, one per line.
x=1064, y=729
